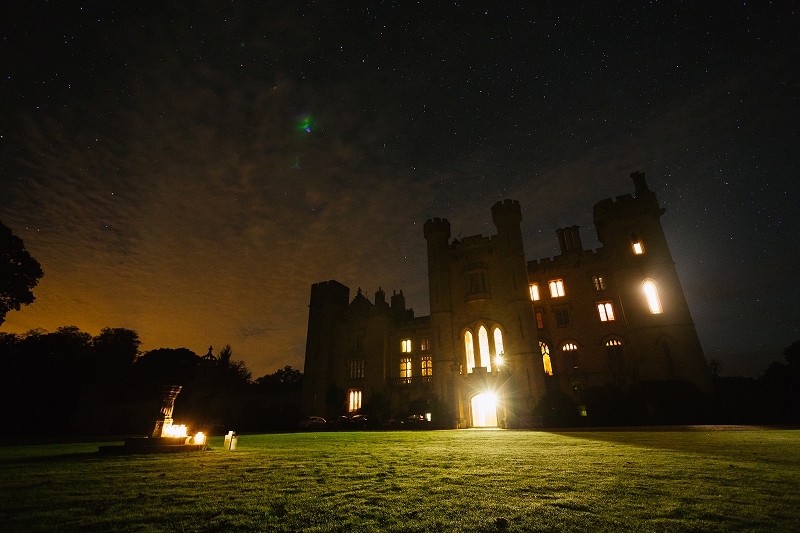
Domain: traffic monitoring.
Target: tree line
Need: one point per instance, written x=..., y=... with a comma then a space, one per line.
x=70, y=383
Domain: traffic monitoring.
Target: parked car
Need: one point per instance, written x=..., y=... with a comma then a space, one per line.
x=416, y=422
x=341, y=422
x=312, y=422
x=359, y=422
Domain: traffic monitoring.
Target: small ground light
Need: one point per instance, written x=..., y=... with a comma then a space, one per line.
x=230, y=441
x=199, y=438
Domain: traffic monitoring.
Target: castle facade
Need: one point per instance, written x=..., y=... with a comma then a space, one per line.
x=502, y=330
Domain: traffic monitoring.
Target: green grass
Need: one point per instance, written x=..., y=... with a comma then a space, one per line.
x=416, y=481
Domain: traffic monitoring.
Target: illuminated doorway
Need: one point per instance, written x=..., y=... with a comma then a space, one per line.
x=484, y=411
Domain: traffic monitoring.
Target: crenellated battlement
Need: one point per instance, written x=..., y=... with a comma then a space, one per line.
x=436, y=227
x=329, y=292
x=546, y=263
x=506, y=212
x=628, y=205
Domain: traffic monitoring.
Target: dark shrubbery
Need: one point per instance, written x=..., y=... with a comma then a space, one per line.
x=771, y=399
x=68, y=383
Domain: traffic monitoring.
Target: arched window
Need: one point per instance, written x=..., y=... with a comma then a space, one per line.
x=548, y=366
x=468, y=347
x=498, y=346
x=651, y=293
x=571, y=350
x=483, y=345
x=614, y=353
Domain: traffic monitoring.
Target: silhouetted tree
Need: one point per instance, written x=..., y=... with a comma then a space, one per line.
x=165, y=366
x=739, y=400
x=715, y=366
x=19, y=273
x=43, y=376
x=232, y=372
x=285, y=378
x=114, y=351
x=781, y=381
x=792, y=355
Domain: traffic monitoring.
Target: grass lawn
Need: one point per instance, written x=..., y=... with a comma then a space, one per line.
x=701, y=480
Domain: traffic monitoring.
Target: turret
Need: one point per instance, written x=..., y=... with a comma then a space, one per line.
x=634, y=215
x=507, y=216
x=437, y=234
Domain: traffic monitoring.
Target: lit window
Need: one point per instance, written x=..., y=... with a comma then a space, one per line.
x=651, y=292
x=599, y=283
x=425, y=345
x=357, y=368
x=572, y=349
x=354, y=401
x=636, y=243
x=405, y=369
x=548, y=366
x=483, y=345
x=606, y=311
x=539, y=320
x=498, y=341
x=614, y=353
x=427, y=367
x=469, y=348
x=405, y=346
x=556, y=288
x=534, y=291
x=562, y=317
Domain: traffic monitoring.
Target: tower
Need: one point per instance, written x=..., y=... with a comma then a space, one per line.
x=652, y=302
x=437, y=236
x=329, y=300
x=525, y=383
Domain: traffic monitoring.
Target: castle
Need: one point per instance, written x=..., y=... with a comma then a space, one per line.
x=503, y=330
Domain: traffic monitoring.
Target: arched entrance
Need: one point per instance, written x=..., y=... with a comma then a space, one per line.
x=484, y=410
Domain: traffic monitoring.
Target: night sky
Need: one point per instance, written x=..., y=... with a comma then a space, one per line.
x=189, y=170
